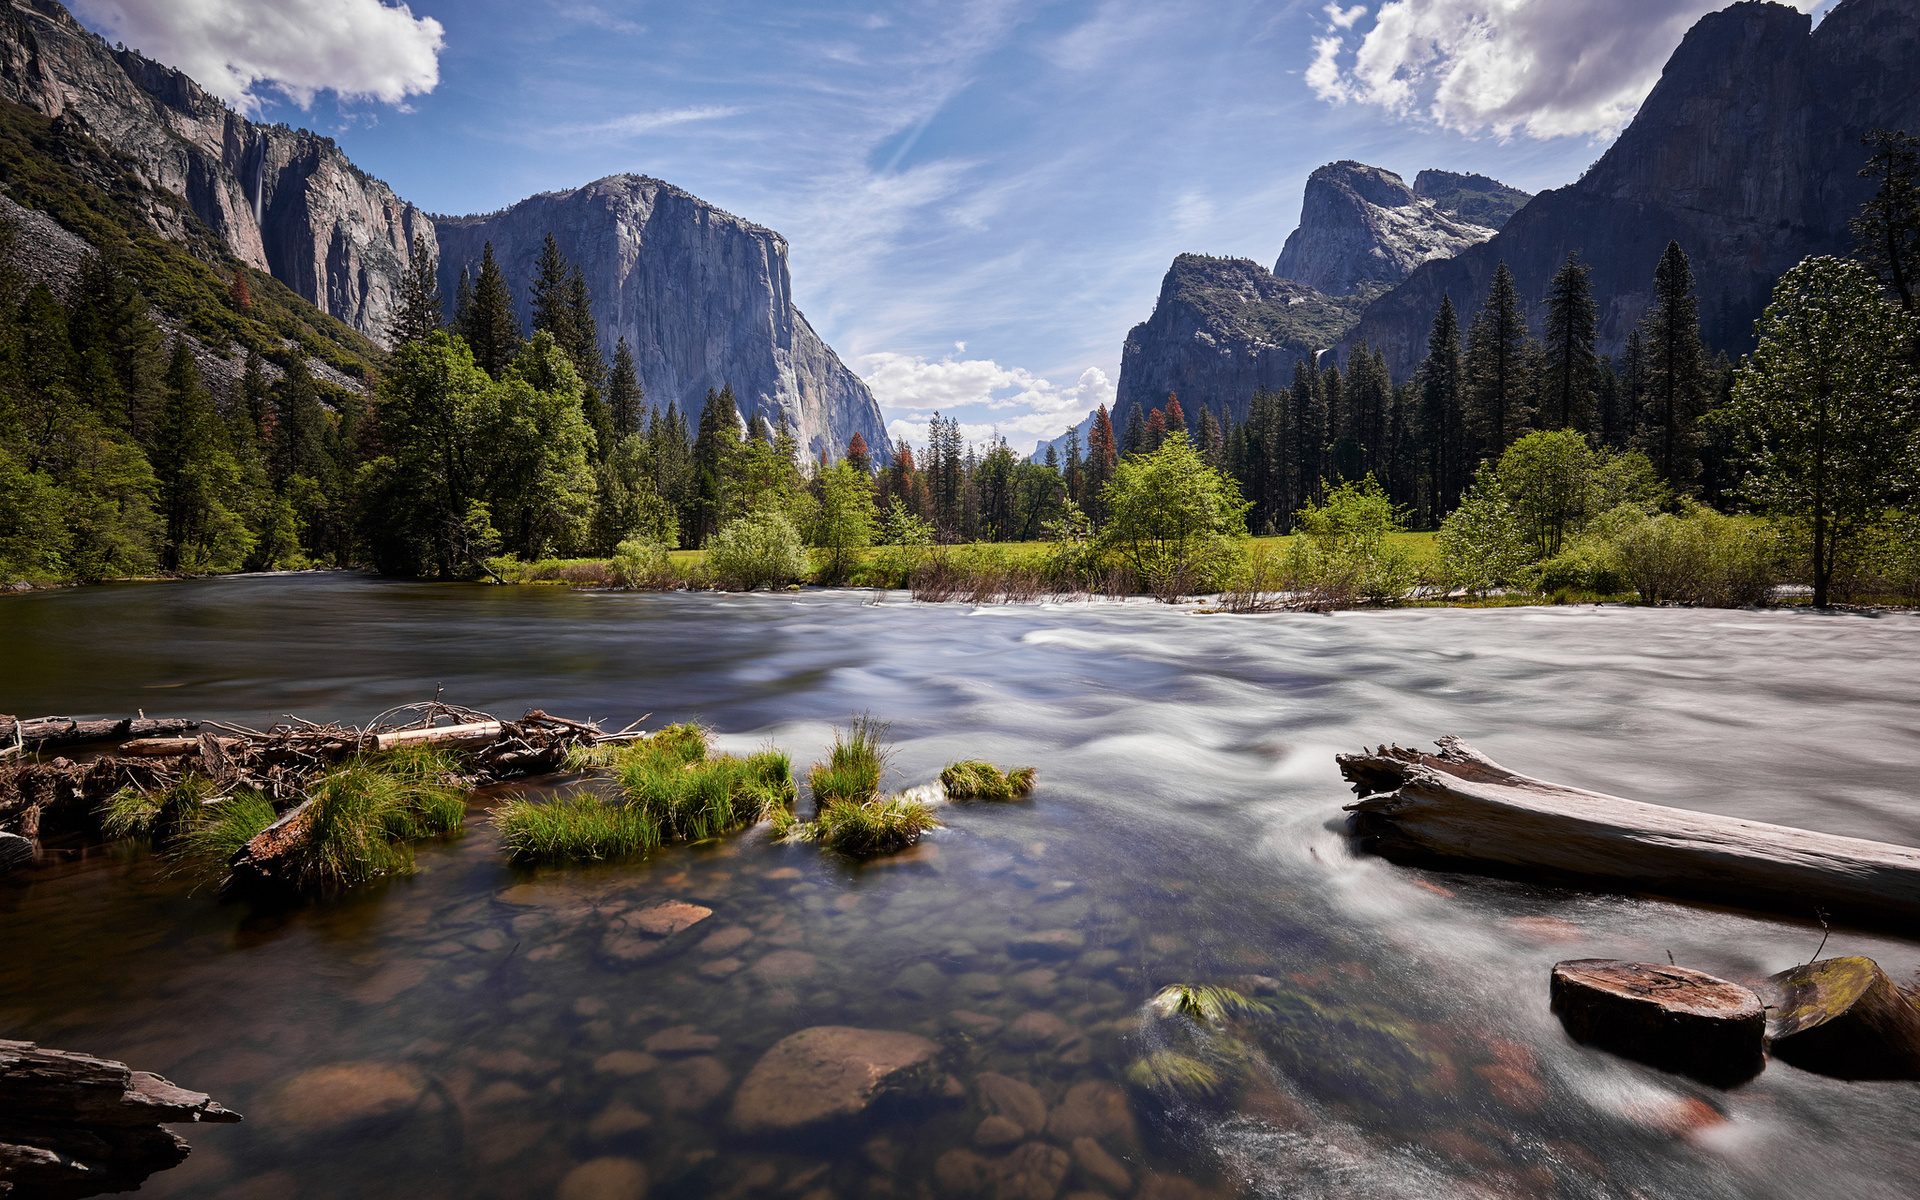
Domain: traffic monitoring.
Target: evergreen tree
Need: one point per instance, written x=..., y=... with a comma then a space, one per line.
x=1568, y=383
x=624, y=396
x=551, y=306
x=1156, y=431
x=1208, y=440
x=1176, y=416
x=1888, y=227
x=418, y=308
x=1102, y=456
x=1496, y=374
x=491, y=327
x=857, y=454
x=254, y=403
x=196, y=476
x=715, y=450
x=1675, y=375
x=1134, y=440
x=299, y=429
x=1307, y=430
x=1442, y=383
x=462, y=302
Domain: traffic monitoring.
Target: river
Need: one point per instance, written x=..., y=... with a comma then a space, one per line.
x=459, y=1033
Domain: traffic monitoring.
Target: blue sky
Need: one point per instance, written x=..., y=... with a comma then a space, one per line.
x=981, y=197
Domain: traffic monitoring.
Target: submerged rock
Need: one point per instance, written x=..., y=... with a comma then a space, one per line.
x=831, y=1074
x=1843, y=1017
x=344, y=1094
x=1019, y=1103
x=1049, y=944
x=1678, y=1020
x=605, y=1179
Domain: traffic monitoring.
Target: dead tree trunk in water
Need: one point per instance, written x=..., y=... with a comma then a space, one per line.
x=1461, y=807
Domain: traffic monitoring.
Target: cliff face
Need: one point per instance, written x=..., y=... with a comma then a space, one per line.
x=1475, y=199
x=1745, y=153
x=1361, y=224
x=285, y=201
x=702, y=297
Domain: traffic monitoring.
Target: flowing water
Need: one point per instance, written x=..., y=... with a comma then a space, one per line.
x=465, y=1031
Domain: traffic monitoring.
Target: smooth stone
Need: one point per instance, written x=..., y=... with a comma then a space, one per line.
x=1039, y=1031
x=921, y=981
x=726, y=941
x=1100, y=1168
x=665, y=920
x=960, y=1174
x=1093, y=1109
x=692, y=1083
x=721, y=968
x=1033, y=1172
x=344, y=1094
x=1005, y=1096
x=390, y=981
x=624, y=1062
x=1048, y=944
x=616, y=1119
x=978, y=1024
x=995, y=1132
x=605, y=1179
x=786, y=966
x=979, y=984
x=1038, y=984
x=829, y=1074
x=1095, y=961
x=682, y=1039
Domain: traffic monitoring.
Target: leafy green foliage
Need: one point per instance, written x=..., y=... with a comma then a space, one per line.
x=1175, y=518
x=760, y=549
x=854, y=765
x=880, y=825
x=1342, y=556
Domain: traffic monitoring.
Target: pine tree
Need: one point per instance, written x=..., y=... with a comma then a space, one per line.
x=1156, y=431
x=857, y=454
x=1307, y=433
x=1888, y=227
x=714, y=451
x=1102, y=457
x=1496, y=396
x=299, y=429
x=254, y=402
x=1675, y=378
x=417, y=309
x=1176, y=416
x=491, y=327
x=242, y=293
x=462, y=302
x=1135, y=438
x=1209, y=442
x=1568, y=383
x=552, y=313
x=624, y=396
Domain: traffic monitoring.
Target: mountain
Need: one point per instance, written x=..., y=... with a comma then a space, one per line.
x=702, y=297
x=1223, y=328
x=281, y=200
x=1362, y=224
x=1746, y=153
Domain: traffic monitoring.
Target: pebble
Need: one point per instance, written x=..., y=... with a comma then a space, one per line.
x=605, y=1179
x=682, y=1039
x=624, y=1062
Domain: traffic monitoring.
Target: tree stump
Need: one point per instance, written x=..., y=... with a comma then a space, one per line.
x=1843, y=1017
x=1679, y=1020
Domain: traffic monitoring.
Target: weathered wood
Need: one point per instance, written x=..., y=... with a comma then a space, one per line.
x=15, y=851
x=160, y=747
x=1669, y=1017
x=59, y=731
x=1460, y=807
x=1844, y=1017
x=480, y=733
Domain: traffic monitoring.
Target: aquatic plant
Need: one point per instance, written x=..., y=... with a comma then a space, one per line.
x=704, y=799
x=1202, y=1002
x=581, y=827
x=134, y=812
x=360, y=817
x=203, y=848
x=877, y=826
x=1173, y=1074
x=976, y=780
x=854, y=765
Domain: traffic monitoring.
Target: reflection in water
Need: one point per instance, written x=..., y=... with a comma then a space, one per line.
x=478, y=1031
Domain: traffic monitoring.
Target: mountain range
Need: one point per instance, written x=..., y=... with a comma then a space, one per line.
x=702, y=297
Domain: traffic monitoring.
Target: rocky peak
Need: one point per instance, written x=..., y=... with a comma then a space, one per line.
x=1474, y=199
x=1362, y=225
x=702, y=297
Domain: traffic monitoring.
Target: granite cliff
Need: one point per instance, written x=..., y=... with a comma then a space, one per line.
x=1745, y=153
x=702, y=297
x=1361, y=225
x=283, y=200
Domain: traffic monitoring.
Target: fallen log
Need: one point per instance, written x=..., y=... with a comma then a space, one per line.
x=74, y=1125
x=1459, y=807
x=61, y=731
x=1673, y=1018
x=15, y=851
x=1843, y=1017
x=478, y=733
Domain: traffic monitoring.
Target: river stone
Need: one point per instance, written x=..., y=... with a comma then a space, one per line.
x=995, y=1132
x=682, y=1039
x=721, y=968
x=1004, y=1096
x=1033, y=1172
x=960, y=1173
x=829, y=1074
x=616, y=1120
x=1093, y=1109
x=1669, y=1017
x=665, y=920
x=1843, y=1017
x=786, y=966
x=342, y=1094
x=1049, y=944
x=1100, y=1168
x=1039, y=1031
x=726, y=941
x=921, y=981
x=692, y=1083
x=605, y=1179
x=624, y=1062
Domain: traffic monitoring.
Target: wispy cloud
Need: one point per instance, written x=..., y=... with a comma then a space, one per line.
x=635, y=124
x=595, y=17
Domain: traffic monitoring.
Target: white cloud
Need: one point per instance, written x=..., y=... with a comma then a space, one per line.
x=634, y=124
x=599, y=18
x=1344, y=17
x=358, y=49
x=1548, y=68
x=917, y=387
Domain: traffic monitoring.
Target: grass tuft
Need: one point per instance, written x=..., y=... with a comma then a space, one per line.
x=976, y=780
x=581, y=827
x=203, y=848
x=854, y=765
x=863, y=829
x=131, y=812
x=1211, y=1005
x=1172, y=1074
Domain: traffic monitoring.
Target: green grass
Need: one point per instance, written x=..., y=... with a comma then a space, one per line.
x=1171, y=1074
x=854, y=765
x=203, y=849
x=862, y=829
x=1212, y=1005
x=976, y=780
x=672, y=789
x=131, y=812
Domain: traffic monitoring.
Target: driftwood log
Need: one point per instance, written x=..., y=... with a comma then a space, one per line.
x=38, y=732
x=1459, y=807
x=1669, y=1017
x=74, y=1125
x=1844, y=1017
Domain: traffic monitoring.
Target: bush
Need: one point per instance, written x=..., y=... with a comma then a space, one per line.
x=1699, y=558
x=1174, y=519
x=1341, y=556
x=761, y=549
x=976, y=780
x=641, y=565
x=1481, y=545
x=1584, y=566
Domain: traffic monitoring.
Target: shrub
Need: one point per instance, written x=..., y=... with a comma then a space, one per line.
x=1481, y=545
x=877, y=826
x=1342, y=556
x=1584, y=566
x=1175, y=519
x=761, y=549
x=642, y=565
x=976, y=780
x=1699, y=558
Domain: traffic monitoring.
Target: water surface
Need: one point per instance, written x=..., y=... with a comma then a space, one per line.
x=1187, y=826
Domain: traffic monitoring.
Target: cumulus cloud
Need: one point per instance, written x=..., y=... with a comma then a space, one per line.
x=1546, y=68
x=1022, y=402
x=357, y=49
